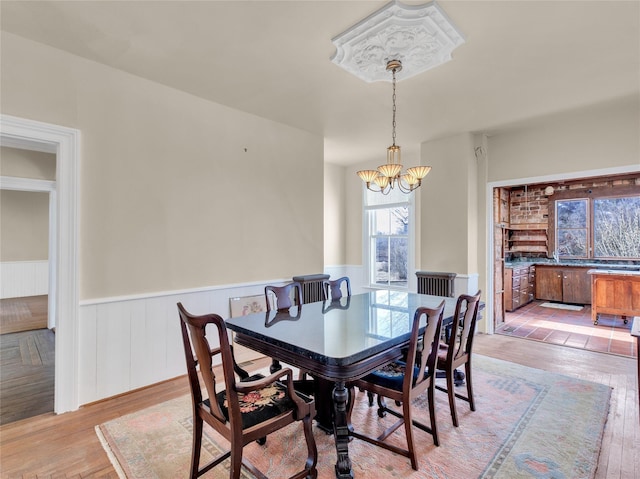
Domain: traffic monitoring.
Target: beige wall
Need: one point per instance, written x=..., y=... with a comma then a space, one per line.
x=175, y=192
x=27, y=164
x=24, y=215
x=448, y=205
x=334, y=215
x=353, y=208
x=596, y=137
x=24, y=229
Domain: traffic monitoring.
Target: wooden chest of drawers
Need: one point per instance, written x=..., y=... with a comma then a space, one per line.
x=519, y=286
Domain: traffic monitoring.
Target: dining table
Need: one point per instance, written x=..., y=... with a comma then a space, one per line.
x=336, y=343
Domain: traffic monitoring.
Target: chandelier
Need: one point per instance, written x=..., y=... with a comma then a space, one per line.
x=389, y=175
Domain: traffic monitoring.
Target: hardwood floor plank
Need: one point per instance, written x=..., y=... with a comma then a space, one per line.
x=23, y=314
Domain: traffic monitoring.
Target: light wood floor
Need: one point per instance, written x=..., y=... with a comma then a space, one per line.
x=66, y=446
x=23, y=314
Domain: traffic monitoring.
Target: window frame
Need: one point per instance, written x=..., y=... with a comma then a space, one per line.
x=368, y=238
x=589, y=194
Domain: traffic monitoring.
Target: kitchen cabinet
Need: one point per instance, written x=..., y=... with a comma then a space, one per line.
x=566, y=284
x=519, y=286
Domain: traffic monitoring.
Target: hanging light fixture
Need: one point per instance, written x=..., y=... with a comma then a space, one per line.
x=389, y=175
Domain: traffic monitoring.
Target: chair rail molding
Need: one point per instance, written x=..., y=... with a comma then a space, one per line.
x=28, y=134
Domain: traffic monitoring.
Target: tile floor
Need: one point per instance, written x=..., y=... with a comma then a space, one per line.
x=570, y=328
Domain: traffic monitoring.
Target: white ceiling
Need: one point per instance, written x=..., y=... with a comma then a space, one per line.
x=522, y=60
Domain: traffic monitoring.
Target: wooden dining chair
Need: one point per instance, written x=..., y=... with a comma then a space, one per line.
x=333, y=289
x=245, y=410
x=457, y=351
x=284, y=296
x=393, y=382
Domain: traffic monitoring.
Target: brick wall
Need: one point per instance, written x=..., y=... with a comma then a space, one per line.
x=528, y=205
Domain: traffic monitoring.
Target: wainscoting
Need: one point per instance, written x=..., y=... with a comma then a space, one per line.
x=27, y=278
x=128, y=343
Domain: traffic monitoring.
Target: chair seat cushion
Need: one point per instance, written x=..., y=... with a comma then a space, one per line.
x=390, y=376
x=261, y=405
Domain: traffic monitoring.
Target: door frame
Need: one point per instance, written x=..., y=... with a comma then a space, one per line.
x=65, y=143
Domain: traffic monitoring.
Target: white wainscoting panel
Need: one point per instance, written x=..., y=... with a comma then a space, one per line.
x=19, y=279
x=132, y=342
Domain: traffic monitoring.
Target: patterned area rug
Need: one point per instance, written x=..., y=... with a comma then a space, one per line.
x=528, y=424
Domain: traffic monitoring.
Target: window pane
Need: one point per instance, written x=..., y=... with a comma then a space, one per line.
x=571, y=228
x=616, y=227
x=381, y=222
x=572, y=242
x=398, y=261
x=571, y=214
x=399, y=220
x=381, y=255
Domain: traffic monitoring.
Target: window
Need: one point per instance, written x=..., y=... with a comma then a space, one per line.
x=616, y=227
x=388, y=238
x=601, y=228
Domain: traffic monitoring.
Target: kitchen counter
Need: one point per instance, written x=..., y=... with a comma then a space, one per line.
x=574, y=263
x=617, y=272
x=615, y=292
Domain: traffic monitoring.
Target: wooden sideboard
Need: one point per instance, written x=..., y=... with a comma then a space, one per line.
x=615, y=292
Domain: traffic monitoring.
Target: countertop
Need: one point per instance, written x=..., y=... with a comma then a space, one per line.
x=583, y=264
x=619, y=272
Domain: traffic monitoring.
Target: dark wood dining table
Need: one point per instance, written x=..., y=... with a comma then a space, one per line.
x=337, y=342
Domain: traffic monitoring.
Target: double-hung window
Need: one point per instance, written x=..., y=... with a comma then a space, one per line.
x=389, y=227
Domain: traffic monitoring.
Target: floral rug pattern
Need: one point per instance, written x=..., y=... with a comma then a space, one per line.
x=528, y=424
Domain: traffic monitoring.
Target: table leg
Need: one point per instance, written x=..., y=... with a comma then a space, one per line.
x=275, y=366
x=341, y=431
x=323, y=394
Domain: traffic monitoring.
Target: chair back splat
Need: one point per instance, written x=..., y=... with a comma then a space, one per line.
x=285, y=296
x=332, y=289
x=238, y=421
x=457, y=351
x=404, y=381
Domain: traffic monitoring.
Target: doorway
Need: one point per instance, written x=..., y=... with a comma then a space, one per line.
x=27, y=341
x=63, y=284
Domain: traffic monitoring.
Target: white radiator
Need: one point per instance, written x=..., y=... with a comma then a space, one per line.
x=437, y=284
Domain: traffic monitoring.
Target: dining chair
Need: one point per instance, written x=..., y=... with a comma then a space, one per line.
x=394, y=382
x=245, y=410
x=457, y=351
x=332, y=289
x=284, y=296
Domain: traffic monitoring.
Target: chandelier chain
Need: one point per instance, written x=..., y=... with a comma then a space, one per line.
x=390, y=175
x=393, y=97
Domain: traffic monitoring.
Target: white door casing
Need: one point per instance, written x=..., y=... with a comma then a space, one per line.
x=65, y=143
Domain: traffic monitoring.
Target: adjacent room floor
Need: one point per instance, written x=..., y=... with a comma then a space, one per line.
x=572, y=328
x=27, y=353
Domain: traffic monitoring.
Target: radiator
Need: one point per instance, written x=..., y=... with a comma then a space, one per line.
x=311, y=287
x=437, y=284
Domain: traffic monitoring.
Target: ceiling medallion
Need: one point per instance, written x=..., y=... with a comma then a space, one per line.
x=420, y=36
